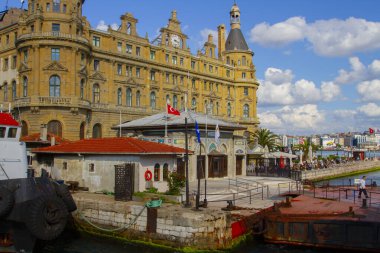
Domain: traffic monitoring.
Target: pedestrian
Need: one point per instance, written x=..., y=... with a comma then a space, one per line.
x=362, y=188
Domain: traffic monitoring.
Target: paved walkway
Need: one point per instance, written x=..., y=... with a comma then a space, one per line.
x=246, y=191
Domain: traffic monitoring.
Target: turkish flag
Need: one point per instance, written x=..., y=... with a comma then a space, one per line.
x=172, y=110
x=371, y=131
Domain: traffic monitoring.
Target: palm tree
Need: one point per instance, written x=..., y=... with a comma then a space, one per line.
x=264, y=137
x=305, y=147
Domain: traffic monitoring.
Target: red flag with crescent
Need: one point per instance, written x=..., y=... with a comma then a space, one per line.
x=172, y=110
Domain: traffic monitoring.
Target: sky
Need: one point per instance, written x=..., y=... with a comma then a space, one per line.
x=317, y=61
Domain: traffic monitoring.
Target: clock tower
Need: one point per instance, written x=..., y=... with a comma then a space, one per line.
x=172, y=36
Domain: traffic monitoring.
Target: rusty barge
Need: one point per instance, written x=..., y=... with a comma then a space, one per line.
x=320, y=222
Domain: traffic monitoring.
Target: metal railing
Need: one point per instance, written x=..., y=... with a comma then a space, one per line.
x=248, y=194
x=292, y=187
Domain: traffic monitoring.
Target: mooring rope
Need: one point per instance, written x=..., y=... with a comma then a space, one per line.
x=114, y=229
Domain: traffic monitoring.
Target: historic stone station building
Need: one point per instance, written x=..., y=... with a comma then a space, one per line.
x=56, y=70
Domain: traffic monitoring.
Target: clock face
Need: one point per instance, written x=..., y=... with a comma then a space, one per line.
x=176, y=40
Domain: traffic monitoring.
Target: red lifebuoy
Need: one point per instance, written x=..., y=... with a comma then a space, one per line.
x=148, y=175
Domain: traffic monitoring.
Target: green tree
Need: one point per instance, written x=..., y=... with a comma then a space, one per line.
x=305, y=147
x=264, y=137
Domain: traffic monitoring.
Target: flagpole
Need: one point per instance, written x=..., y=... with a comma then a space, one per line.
x=166, y=123
x=120, y=123
x=206, y=160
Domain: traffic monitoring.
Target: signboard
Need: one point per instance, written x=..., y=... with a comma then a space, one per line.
x=240, y=142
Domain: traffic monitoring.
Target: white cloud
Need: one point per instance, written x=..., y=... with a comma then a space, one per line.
x=204, y=34
x=370, y=110
x=369, y=90
x=270, y=119
x=329, y=91
x=331, y=37
x=278, y=76
x=279, y=34
x=306, y=91
x=304, y=118
x=358, y=72
x=344, y=114
x=278, y=89
x=104, y=27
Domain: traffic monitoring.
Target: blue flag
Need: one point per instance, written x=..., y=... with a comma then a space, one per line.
x=197, y=132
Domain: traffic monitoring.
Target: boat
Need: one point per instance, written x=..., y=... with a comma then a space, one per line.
x=31, y=208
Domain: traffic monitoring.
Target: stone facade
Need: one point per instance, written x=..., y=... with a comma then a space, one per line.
x=175, y=226
x=80, y=81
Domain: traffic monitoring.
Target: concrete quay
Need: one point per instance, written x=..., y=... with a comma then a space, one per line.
x=210, y=228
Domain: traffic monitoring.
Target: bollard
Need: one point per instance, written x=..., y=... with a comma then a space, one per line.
x=364, y=204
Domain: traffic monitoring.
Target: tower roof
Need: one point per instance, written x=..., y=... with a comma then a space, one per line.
x=236, y=41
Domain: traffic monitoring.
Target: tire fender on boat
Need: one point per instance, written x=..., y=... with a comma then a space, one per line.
x=63, y=192
x=47, y=217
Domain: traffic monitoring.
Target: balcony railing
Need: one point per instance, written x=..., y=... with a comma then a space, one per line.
x=54, y=100
x=47, y=101
x=42, y=35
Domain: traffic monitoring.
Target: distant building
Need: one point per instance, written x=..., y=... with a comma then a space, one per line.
x=328, y=142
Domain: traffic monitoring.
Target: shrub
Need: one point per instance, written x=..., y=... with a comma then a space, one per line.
x=152, y=190
x=175, y=183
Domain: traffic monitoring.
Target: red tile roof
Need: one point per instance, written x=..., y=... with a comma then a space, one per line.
x=112, y=146
x=7, y=119
x=37, y=138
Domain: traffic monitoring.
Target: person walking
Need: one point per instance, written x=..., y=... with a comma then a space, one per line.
x=362, y=188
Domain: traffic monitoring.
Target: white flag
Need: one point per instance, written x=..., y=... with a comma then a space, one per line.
x=217, y=133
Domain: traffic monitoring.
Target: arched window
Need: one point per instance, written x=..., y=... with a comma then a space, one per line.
x=25, y=87
x=119, y=96
x=228, y=60
x=82, y=83
x=193, y=104
x=175, y=101
x=129, y=97
x=5, y=87
x=96, y=93
x=165, y=172
x=217, y=108
x=167, y=99
x=55, y=127
x=153, y=100
x=56, y=5
x=228, y=109
x=97, y=131
x=129, y=28
x=24, y=128
x=138, y=96
x=157, y=172
x=210, y=52
x=82, y=130
x=205, y=107
x=14, y=90
x=54, y=86
x=246, y=111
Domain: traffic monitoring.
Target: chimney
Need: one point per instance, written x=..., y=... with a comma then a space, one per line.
x=43, y=132
x=52, y=141
x=221, y=40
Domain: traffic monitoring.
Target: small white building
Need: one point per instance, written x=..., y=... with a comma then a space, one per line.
x=91, y=162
